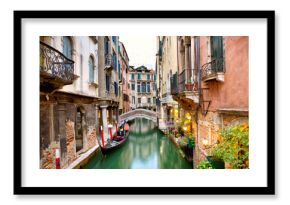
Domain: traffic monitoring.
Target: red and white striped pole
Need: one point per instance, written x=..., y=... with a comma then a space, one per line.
x=57, y=159
x=110, y=131
x=102, y=135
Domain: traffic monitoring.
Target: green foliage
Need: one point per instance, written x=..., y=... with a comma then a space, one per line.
x=234, y=146
x=204, y=164
x=189, y=81
x=191, y=141
x=183, y=142
x=187, y=140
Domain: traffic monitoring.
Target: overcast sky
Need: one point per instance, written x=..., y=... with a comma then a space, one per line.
x=141, y=50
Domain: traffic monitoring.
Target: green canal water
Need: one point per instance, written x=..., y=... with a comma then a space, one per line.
x=146, y=148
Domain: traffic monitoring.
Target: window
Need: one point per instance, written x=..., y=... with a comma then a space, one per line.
x=149, y=100
x=154, y=100
x=139, y=76
x=138, y=88
x=114, y=39
x=133, y=100
x=132, y=86
x=153, y=87
x=148, y=87
x=108, y=82
x=128, y=86
x=91, y=70
x=67, y=47
x=125, y=97
x=216, y=49
x=106, y=46
x=132, y=76
x=148, y=76
x=116, y=88
x=119, y=71
x=139, y=100
x=155, y=77
x=114, y=61
x=143, y=87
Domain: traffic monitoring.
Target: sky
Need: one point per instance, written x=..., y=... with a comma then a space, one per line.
x=140, y=49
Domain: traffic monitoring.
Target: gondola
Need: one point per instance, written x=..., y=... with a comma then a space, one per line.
x=116, y=142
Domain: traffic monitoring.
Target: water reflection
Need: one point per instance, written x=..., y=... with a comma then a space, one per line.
x=146, y=148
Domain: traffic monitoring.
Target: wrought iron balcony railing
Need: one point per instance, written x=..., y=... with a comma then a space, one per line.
x=185, y=81
x=210, y=70
x=55, y=65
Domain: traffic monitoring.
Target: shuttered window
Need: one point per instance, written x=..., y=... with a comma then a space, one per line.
x=108, y=82
x=91, y=70
x=217, y=53
x=67, y=47
x=148, y=87
x=143, y=87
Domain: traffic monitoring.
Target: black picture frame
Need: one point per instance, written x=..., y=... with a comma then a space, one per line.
x=268, y=190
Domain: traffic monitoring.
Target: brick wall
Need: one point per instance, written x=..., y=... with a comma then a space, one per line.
x=49, y=137
x=209, y=128
x=48, y=156
x=70, y=141
x=91, y=137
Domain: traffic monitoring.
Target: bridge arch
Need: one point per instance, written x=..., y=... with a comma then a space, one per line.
x=139, y=113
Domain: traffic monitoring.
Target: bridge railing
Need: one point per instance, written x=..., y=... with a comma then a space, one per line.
x=138, y=112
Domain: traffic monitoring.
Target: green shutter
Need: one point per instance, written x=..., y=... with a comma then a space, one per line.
x=217, y=52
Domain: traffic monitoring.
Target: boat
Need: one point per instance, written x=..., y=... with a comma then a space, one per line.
x=116, y=142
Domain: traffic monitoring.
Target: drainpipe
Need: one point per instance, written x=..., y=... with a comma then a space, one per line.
x=199, y=87
x=192, y=57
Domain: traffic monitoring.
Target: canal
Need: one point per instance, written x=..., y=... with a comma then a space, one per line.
x=146, y=148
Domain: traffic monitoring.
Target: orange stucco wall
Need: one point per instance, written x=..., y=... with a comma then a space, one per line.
x=233, y=92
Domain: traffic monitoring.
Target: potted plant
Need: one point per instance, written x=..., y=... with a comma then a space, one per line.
x=204, y=164
x=233, y=147
x=189, y=85
x=187, y=144
x=216, y=162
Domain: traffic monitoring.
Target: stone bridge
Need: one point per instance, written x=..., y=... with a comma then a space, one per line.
x=139, y=113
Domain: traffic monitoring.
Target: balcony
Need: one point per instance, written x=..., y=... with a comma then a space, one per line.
x=174, y=84
x=213, y=70
x=182, y=85
x=144, y=93
x=146, y=105
x=56, y=70
x=185, y=81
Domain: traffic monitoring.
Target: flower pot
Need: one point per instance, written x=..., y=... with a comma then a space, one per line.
x=189, y=86
x=216, y=163
x=228, y=165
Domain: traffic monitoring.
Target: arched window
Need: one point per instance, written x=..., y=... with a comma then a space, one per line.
x=91, y=69
x=182, y=54
x=67, y=47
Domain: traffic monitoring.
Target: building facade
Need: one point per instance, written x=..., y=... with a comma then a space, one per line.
x=210, y=86
x=142, y=84
x=124, y=105
x=68, y=97
x=78, y=95
x=166, y=65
